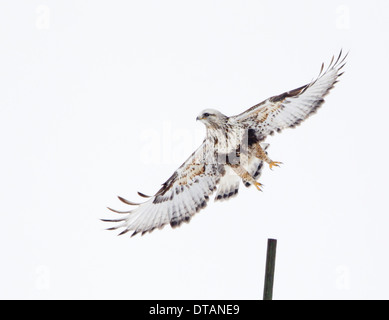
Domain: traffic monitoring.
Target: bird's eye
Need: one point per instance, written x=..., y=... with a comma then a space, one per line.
x=206, y=115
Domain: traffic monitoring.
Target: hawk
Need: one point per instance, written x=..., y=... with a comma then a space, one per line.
x=232, y=151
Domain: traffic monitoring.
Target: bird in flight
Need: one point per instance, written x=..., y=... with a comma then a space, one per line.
x=232, y=151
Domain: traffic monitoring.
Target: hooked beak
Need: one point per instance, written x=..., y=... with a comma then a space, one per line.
x=199, y=118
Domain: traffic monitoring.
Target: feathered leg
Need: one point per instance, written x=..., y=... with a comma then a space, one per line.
x=261, y=154
x=242, y=172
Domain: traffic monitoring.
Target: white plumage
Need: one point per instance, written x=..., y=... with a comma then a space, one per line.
x=231, y=152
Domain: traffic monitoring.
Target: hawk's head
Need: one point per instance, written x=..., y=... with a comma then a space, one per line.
x=212, y=118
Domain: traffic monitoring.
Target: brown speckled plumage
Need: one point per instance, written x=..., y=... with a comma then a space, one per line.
x=233, y=151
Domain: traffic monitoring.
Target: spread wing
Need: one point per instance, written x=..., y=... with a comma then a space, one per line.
x=185, y=193
x=291, y=108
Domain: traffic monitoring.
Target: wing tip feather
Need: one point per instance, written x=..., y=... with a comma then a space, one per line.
x=143, y=195
x=128, y=201
x=120, y=212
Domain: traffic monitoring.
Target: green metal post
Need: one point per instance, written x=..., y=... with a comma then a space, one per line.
x=270, y=267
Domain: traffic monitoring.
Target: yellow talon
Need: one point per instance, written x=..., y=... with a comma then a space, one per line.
x=258, y=185
x=274, y=164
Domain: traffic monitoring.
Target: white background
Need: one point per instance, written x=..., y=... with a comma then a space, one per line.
x=99, y=98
